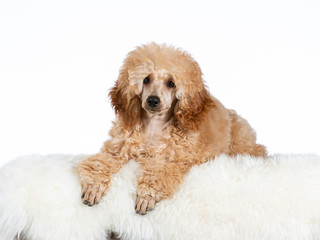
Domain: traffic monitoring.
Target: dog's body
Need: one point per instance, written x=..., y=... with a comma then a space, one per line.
x=168, y=122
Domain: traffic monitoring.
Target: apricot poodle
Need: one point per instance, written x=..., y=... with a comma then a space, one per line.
x=168, y=122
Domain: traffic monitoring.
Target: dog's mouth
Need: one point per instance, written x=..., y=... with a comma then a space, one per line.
x=155, y=111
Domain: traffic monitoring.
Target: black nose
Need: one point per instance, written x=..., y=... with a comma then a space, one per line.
x=153, y=101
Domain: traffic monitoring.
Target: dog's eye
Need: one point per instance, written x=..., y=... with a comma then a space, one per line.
x=146, y=80
x=170, y=84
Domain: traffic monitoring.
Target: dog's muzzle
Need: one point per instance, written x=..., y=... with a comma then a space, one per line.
x=153, y=101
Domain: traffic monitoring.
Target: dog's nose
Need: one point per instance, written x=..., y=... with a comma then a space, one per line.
x=153, y=101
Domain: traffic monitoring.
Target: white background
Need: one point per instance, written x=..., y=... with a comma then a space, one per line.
x=58, y=59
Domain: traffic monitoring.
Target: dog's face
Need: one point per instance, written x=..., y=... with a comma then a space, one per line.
x=157, y=79
x=158, y=93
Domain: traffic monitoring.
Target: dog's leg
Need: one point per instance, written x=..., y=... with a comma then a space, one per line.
x=158, y=182
x=95, y=173
x=243, y=138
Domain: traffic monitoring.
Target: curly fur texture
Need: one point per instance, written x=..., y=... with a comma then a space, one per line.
x=194, y=128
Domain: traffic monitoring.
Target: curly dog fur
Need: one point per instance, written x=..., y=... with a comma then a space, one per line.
x=168, y=122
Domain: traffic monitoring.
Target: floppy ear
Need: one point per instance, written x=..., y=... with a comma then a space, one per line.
x=125, y=95
x=125, y=101
x=192, y=108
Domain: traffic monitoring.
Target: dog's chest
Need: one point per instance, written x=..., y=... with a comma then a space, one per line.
x=154, y=131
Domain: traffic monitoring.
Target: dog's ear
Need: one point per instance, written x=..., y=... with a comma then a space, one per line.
x=194, y=100
x=125, y=101
x=192, y=108
x=125, y=95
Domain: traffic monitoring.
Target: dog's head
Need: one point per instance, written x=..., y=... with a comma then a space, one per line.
x=158, y=79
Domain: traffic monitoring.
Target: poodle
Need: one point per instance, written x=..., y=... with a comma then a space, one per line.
x=167, y=121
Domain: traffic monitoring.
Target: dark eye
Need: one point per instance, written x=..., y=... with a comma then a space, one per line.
x=146, y=80
x=170, y=84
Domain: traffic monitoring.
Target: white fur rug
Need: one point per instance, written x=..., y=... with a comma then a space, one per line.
x=228, y=198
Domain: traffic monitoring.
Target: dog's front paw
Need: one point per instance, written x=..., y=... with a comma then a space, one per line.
x=93, y=193
x=144, y=204
x=145, y=201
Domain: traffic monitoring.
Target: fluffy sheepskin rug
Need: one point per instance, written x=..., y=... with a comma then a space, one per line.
x=228, y=198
